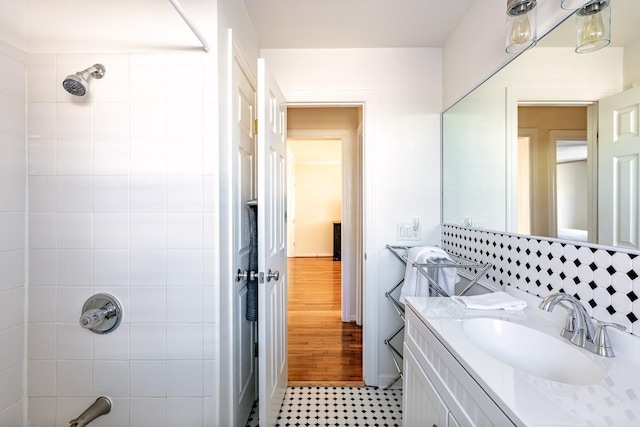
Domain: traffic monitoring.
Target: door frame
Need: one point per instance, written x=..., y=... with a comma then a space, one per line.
x=554, y=136
x=532, y=139
x=366, y=100
x=555, y=97
x=225, y=339
x=349, y=260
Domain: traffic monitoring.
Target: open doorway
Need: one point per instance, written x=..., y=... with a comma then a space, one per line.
x=555, y=154
x=324, y=247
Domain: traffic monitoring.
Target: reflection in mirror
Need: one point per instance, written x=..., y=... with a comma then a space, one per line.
x=571, y=190
x=544, y=126
x=502, y=168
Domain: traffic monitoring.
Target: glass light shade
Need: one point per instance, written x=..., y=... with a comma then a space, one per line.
x=593, y=24
x=573, y=4
x=522, y=28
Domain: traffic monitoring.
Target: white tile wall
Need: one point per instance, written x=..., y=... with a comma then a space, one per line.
x=121, y=193
x=75, y=267
x=13, y=153
x=183, y=411
x=13, y=415
x=42, y=411
x=11, y=393
x=75, y=193
x=73, y=378
x=111, y=156
x=42, y=120
x=43, y=157
x=146, y=411
x=148, y=378
x=111, y=267
x=13, y=186
x=43, y=194
x=12, y=269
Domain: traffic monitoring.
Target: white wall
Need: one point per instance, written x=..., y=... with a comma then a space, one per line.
x=318, y=204
x=632, y=64
x=571, y=195
x=402, y=88
x=13, y=23
x=121, y=197
x=12, y=233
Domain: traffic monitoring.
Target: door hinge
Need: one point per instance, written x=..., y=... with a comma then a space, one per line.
x=255, y=126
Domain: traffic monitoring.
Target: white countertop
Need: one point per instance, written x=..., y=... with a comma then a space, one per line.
x=531, y=400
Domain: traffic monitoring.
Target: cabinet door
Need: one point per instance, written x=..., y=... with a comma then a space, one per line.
x=422, y=405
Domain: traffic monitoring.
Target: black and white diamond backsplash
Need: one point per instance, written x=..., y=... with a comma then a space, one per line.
x=606, y=281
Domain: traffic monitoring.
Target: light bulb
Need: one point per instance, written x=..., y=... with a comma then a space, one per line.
x=521, y=29
x=592, y=29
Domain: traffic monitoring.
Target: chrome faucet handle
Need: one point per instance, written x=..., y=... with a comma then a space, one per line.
x=601, y=341
x=93, y=318
x=578, y=327
x=569, y=323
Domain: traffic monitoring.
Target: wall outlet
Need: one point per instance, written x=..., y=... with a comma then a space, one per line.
x=408, y=232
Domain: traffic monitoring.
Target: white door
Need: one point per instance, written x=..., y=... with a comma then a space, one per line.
x=244, y=164
x=618, y=175
x=272, y=255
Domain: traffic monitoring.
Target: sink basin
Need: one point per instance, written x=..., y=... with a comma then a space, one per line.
x=532, y=351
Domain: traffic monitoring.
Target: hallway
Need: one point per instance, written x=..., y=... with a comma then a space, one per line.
x=322, y=349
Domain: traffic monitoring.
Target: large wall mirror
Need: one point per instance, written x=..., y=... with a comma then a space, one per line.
x=550, y=145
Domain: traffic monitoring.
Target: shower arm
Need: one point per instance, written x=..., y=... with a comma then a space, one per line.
x=189, y=22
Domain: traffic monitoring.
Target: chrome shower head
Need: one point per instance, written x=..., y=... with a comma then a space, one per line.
x=76, y=84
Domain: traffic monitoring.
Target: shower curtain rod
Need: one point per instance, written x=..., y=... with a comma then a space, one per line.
x=189, y=22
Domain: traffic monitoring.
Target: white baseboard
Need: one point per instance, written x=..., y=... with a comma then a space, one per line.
x=353, y=318
x=323, y=255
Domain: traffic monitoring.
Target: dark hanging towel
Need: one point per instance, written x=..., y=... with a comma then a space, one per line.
x=252, y=286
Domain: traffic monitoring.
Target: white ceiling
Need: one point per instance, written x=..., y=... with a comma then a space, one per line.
x=151, y=25
x=355, y=23
x=112, y=26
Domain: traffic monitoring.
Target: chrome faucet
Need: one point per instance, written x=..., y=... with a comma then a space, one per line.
x=578, y=327
x=100, y=407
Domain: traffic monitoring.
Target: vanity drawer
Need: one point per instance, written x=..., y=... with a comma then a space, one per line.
x=467, y=401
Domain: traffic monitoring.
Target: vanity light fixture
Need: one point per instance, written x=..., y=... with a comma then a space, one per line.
x=573, y=4
x=521, y=25
x=593, y=22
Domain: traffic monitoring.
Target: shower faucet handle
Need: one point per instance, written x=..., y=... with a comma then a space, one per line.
x=93, y=318
x=101, y=313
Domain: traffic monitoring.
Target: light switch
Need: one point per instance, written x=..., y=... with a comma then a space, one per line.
x=408, y=231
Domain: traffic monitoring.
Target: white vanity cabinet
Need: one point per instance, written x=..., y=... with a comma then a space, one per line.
x=421, y=402
x=438, y=391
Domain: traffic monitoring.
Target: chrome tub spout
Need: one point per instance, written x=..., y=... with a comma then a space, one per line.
x=100, y=407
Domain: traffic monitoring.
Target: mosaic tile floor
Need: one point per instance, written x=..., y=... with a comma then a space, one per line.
x=338, y=406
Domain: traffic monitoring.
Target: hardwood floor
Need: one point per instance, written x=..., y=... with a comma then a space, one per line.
x=322, y=350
